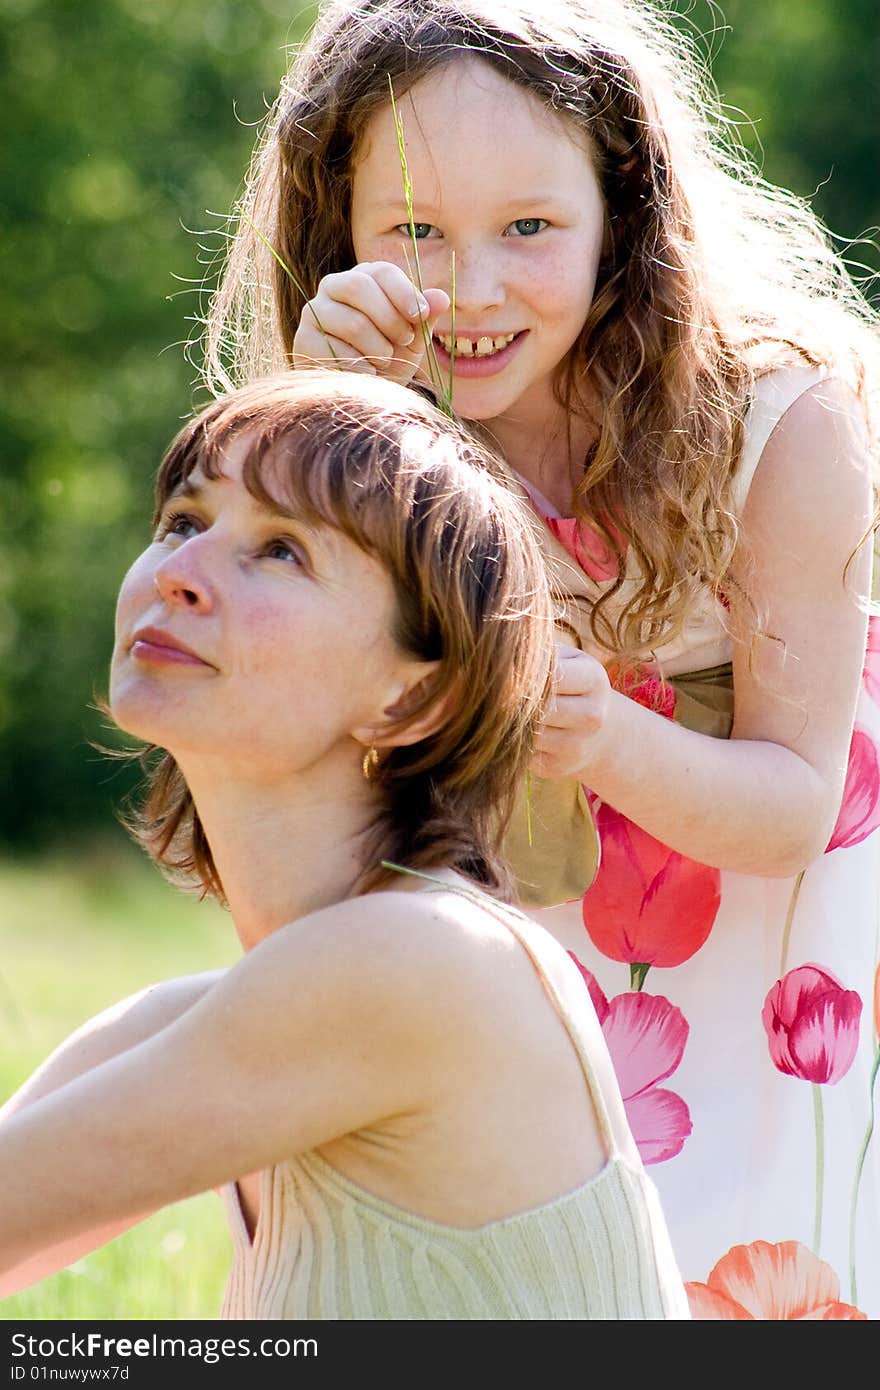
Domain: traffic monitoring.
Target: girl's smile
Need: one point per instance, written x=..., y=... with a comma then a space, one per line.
x=509, y=188
x=477, y=356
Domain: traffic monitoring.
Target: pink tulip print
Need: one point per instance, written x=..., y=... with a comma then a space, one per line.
x=646, y=1037
x=761, y=1282
x=648, y=905
x=859, y=812
x=812, y=1025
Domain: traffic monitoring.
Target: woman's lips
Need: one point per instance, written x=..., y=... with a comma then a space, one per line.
x=478, y=366
x=159, y=648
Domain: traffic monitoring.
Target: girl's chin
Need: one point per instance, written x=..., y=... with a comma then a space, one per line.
x=478, y=400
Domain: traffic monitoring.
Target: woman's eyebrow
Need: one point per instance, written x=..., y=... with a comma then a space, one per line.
x=269, y=509
x=191, y=491
x=185, y=488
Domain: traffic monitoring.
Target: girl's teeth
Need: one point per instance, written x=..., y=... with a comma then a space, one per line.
x=481, y=347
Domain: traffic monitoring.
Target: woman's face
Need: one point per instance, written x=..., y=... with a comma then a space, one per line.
x=244, y=635
x=510, y=188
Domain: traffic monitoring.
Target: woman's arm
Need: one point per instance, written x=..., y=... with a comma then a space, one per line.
x=109, y=1034
x=318, y=1031
x=765, y=801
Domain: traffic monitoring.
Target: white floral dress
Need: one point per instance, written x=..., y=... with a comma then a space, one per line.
x=742, y=1013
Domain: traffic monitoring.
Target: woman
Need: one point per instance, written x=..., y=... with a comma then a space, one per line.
x=341, y=641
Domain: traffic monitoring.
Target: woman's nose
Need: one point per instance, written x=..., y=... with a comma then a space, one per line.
x=182, y=578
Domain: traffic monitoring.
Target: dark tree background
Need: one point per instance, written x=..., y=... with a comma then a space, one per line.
x=127, y=128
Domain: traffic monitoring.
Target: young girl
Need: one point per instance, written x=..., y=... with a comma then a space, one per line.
x=341, y=638
x=676, y=371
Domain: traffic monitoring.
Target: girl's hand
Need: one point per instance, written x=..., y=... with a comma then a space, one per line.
x=371, y=318
x=577, y=714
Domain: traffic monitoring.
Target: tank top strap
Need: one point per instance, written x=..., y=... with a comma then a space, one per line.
x=534, y=940
x=566, y=995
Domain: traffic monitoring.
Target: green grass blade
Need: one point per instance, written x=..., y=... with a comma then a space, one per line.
x=442, y=391
x=452, y=337
x=289, y=273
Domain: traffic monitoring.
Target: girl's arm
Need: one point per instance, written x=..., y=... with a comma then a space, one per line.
x=110, y=1033
x=765, y=801
x=321, y=1029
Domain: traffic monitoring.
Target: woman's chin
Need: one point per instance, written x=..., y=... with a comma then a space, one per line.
x=145, y=719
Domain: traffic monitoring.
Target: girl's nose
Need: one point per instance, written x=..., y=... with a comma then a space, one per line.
x=183, y=581
x=479, y=283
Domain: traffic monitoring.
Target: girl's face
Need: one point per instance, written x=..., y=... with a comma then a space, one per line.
x=246, y=637
x=511, y=189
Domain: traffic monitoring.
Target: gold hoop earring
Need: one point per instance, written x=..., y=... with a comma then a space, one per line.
x=370, y=764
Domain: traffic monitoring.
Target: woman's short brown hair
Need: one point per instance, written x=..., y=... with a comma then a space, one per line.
x=387, y=469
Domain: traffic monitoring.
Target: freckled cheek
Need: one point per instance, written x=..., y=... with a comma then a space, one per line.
x=286, y=653
x=383, y=248
x=565, y=285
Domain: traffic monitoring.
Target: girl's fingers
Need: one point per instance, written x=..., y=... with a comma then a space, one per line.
x=328, y=351
x=353, y=327
x=383, y=295
x=373, y=317
x=577, y=672
x=410, y=303
x=438, y=302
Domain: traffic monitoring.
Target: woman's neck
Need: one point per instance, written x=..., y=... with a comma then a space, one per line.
x=284, y=848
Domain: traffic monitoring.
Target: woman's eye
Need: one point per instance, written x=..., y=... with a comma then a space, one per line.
x=420, y=230
x=285, y=550
x=527, y=226
x=177, y=524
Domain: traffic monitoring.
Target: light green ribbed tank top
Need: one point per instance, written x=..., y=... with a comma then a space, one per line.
x=325, y=1248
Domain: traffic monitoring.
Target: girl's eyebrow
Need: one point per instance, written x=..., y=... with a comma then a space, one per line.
x=541, y=197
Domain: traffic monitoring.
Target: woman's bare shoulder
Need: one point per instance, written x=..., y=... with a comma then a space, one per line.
x=437, y=925
x=417, y=953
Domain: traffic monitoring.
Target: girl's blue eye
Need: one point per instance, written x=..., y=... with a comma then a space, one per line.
x=420, y=230
x=528, y=226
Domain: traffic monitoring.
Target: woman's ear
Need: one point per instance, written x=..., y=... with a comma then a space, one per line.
x=412, y=714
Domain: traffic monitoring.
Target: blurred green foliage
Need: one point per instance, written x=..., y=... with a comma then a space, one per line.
x=128, y=125
x=127, y=122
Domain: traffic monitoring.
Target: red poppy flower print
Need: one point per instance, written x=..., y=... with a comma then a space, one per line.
x=812, y=1025
x=771, y=1283
x=646, y=688
x=646, y=1038
x=871, y=672
x=860, y=809
x=647, y=903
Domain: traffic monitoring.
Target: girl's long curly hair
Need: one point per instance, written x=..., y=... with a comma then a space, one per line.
x=710, y=277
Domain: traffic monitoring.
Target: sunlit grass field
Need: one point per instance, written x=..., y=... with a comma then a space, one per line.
x=78, y=932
